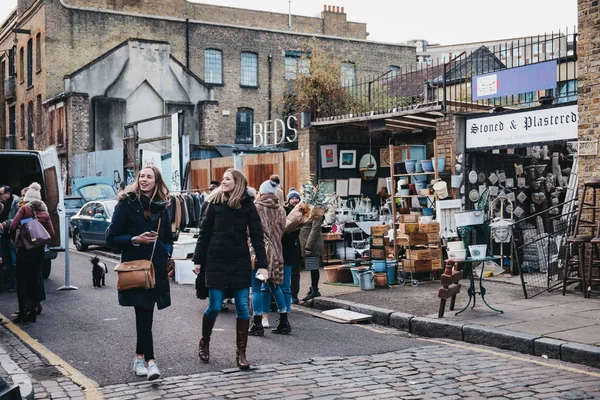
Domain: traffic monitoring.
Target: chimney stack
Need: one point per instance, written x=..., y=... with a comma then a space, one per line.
x=342, y=10
x=324, y=7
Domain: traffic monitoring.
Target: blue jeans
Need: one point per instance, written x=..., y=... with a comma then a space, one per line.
x=286, y=286
x=261, y=297
x=215, y=301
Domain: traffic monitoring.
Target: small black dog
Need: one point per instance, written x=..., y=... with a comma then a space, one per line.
x=99, y=271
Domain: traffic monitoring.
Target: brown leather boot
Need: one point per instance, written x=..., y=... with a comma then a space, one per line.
x=203, y=346
x=241, y=328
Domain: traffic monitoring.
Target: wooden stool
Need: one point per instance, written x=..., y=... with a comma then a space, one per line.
x=593, y=263
x=577, y=244
x=584, y=232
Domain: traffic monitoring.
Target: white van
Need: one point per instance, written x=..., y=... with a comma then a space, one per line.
x=18, y=168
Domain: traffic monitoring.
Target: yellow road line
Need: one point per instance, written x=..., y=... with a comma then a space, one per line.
x=91, y=389
x=517, y=358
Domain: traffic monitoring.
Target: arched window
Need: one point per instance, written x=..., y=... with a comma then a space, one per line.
x=249, y=69
x=213, y=66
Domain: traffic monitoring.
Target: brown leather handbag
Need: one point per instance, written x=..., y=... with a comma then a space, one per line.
x=137, y=274
x=33, y=234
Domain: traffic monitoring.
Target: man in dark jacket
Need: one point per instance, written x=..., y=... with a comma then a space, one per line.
x=292, y=257
x=11, y=206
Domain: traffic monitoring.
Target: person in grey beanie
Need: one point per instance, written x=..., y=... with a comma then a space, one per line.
x=292, y=256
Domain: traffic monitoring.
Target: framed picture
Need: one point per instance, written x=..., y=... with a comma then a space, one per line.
x=341, y=187
x=347, y=159
x=329, y=156
x=354, y=188
x=384, y=156
x=327, y=186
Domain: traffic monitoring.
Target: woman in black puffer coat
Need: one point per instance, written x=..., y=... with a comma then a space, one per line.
x=134, y=228
x=222, y=252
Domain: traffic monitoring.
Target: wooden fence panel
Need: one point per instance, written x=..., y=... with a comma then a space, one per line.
x=218, y=166
x=291, y=176
x=259, y=167
x=200, y=174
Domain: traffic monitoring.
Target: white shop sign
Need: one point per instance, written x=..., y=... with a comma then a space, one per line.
x=547, y=125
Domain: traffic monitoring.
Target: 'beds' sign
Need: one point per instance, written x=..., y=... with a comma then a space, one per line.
x=274, y=132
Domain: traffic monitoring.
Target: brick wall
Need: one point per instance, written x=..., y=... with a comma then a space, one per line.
x=209, y=115
x=446, y=138
x=234, y=16
x=588, y=72
x=77, y=129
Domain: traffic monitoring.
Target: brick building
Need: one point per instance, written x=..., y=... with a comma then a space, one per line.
x=61, y=59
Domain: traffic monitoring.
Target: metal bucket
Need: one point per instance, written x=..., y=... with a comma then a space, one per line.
x=367, y=280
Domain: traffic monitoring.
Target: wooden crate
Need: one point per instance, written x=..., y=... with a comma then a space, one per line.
x=435, y=254
x=436, y=263
x=377, y=253
x=409, y=218
x=379, y=230
x=409, y=228
x=410, y=240
x=429, y=227
x=418, y=254
x=433, y=237
x=377, y=241
x=416, y=265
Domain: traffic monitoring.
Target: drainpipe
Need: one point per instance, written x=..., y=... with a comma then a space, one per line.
x=187, y=43
x=270, y=91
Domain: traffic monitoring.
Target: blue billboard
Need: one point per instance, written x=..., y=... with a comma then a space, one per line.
x=528, y=78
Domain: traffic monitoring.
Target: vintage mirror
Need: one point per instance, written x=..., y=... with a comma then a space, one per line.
x=367, y=167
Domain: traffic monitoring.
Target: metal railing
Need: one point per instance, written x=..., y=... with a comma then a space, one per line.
x=540, y=243
x=446, y=80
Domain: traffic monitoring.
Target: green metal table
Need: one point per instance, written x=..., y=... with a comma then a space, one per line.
x=472, y=292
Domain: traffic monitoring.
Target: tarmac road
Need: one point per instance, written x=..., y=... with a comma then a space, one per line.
x=90, y=331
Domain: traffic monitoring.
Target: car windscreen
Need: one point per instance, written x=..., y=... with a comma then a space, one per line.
x=73, y=203
x=110, y=207
x=97, y=192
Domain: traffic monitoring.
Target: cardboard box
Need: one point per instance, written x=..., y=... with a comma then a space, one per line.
x=379, y=230
x=413, y=254
x=409, y=228
x=416, y=265
x=409, y=218
x=429, y=227
x=411, y=240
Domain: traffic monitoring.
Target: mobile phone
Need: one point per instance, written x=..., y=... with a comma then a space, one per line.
x=154, y=233
x=260, y=276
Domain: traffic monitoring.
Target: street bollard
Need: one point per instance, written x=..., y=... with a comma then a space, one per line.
x=67, y=274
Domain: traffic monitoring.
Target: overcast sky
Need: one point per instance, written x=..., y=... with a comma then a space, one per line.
x=437, y=21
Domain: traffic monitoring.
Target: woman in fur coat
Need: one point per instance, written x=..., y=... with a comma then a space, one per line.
x=272, y=217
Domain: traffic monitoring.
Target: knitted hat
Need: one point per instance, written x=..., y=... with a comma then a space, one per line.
x=33, y=193
x=268, y=187
x=293, y=193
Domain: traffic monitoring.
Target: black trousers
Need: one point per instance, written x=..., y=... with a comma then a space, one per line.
x=295, y=286
x=29, y=267
x=143, y=326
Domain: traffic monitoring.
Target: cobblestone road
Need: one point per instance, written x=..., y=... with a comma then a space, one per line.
x=435, y=370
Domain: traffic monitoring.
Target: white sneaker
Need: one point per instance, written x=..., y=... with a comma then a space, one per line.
x=265, y=321
x=139, y=367
x=153, y=372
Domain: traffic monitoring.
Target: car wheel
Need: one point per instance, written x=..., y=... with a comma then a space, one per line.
x=46, y=268
x=78, y=241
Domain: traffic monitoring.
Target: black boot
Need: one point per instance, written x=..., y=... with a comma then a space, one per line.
x=257, y=329
x=314, y=292
x=283, y=325
x=203, y=346
x=308, y=295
